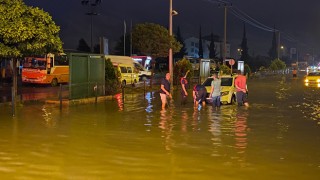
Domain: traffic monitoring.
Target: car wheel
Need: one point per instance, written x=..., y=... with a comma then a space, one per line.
x=143, y=78
x=134, y=83
x=233, y=100
x=54, y=82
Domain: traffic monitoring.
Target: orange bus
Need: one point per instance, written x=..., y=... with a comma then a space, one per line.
x=49, y=69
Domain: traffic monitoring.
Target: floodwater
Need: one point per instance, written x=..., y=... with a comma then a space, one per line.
x=277, y=137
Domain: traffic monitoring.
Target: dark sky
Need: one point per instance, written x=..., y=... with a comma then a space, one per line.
x=295, y=18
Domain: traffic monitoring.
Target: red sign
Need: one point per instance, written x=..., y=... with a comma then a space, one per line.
x=231, y=62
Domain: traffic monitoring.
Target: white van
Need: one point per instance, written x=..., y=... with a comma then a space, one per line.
x=143, y=73
x=128, y=74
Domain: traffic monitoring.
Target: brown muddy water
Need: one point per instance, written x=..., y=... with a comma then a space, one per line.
x=277, y=137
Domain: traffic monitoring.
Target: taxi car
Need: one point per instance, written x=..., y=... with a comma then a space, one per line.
x=312, y=79
x=228, y=90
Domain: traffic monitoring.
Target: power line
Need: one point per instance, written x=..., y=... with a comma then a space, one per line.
x=250, y=20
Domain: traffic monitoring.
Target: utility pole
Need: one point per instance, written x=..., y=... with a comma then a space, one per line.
x=171, y=13
x=279, y=46
x=224, y=48
x=92, y=4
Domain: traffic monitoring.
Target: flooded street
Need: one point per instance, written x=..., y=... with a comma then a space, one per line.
x=277, y=137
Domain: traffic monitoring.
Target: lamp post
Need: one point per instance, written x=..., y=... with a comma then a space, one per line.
x=92, y=4
x=171, y=13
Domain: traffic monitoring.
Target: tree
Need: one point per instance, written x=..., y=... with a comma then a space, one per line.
x=111, y=78
x=153, y=40
x=180, y=67
x=26, y=30
x=119, y=46
x=200, y=53
x=277, y=64
x=225, y=69
x=96, y=49
x=212, y=48
x=244, y=47
x=182, y=51
x=83, y=46
x=273, y=50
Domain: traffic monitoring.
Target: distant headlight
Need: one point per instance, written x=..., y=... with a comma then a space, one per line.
x=224, y=93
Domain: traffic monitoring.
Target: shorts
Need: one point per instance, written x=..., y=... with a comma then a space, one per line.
x=163, y=98
x=201, y=96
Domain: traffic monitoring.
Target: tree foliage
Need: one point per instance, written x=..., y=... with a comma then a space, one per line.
x=119, y=48
x=182, y=51
x=277, y=64
x=181, y=67
x=225, y=69
x=212, y=48
x=200, y=53
x=111, y=77
x=247, y=69
x=153, y=40
x=244, y=47
x=26, y=30
x=273, y=50
x=83, y=46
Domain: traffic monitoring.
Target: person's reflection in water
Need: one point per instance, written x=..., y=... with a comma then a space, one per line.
x=167, y=125
x=184, y=121
x=215, y=129
x=241, y=130
x=195, y=119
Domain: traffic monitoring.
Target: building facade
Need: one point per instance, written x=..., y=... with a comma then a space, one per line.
x=192, y=47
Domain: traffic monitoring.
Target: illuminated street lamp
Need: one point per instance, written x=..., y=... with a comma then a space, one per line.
x=171, y=13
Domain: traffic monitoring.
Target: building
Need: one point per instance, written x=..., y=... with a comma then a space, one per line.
x=192, y=47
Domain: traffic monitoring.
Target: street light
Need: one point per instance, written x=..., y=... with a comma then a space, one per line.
x=92, y=4
x=171, y=13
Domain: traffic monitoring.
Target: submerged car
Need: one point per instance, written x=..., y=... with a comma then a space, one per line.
x=228, y=90
x=312, y=79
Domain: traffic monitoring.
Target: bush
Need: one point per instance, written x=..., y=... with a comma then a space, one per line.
x=111, y=78
x=277, y=64
x=180, y=67
x=247, y=69
x=224, y=69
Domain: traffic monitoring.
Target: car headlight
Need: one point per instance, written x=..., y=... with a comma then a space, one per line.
x=224, y=93
x=318, y=80
x=306, y=80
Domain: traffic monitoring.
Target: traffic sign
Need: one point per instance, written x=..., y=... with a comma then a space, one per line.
x=231, y=62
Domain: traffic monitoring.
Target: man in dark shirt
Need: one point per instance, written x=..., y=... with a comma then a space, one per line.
x=199, y=95
x=165, y=90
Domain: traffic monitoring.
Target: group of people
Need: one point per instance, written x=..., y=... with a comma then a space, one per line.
x=199, y=92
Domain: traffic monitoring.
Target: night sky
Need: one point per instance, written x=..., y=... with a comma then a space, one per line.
x=297, y=20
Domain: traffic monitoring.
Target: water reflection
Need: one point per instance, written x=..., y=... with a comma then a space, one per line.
x=167, y=124
x=229, y=125
x=282, y=89
x=310, y=106
x=149, y=97
x=136, y=137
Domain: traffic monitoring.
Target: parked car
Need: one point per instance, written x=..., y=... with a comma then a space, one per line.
x=312, y=79
x=228, y=90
